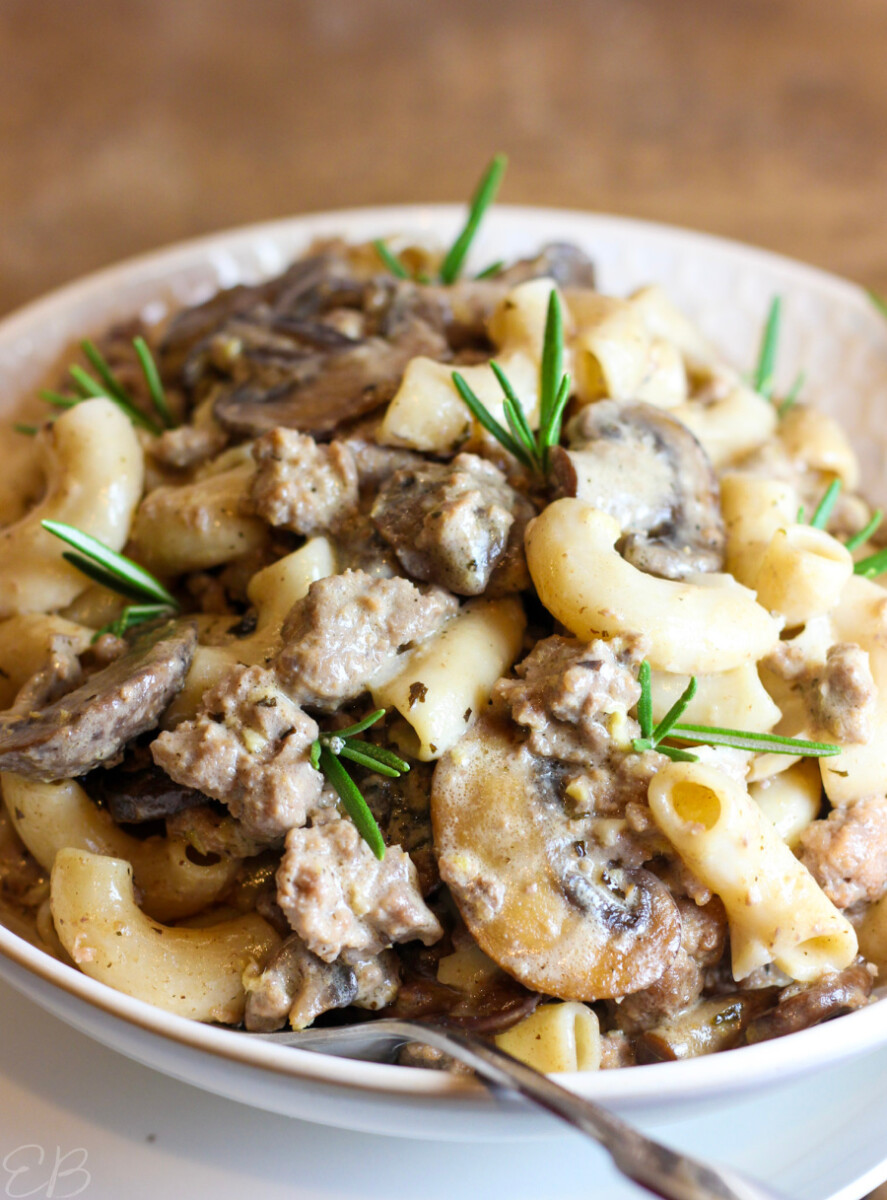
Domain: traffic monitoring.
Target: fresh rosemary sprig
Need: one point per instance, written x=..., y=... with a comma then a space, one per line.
x=762, y=379
x=859, y=539
x=326, y=755
x=483, y=197
x=712, y=735
x=531, y=449
x=108, y=385
x=112, y=570
x=826, y=505
x=879, y=302
x=454, y=260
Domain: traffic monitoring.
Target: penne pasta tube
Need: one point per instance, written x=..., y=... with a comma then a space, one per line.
x=776, y=910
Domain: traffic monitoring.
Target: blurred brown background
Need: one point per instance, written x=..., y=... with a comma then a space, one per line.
x=130, y=123
x=126, y=124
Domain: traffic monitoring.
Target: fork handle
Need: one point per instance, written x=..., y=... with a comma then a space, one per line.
x=655, y=1167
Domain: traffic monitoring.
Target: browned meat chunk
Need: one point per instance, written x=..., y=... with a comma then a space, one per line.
x=377, y=463
x=296, y=984
x=703, y=937
x=569, y=693
x=188, y=445
x=300, y=485
x=212, y=832
x=804, y=1004
x=847, y=853
x=340, y=898
x=452, y=523
x=842, y=694
x=248, y=747
x=347, y=627
x=92, y=724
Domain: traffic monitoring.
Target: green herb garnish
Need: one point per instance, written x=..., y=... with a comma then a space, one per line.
x=391, y=261
x=762, y=379
x=531, y=449
x=493, y=269
x=826, y=505
x=108, y=385
x=454, y=260
x=326, y=754
x=711, y=735
x=875, y=564
x=879, y=302
x=27, y=430
x=483, y=197
x=792, y=394
x=132, y=615
x=859, y=539
x=112, y=570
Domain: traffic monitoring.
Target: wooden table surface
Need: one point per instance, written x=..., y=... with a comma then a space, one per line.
x=126, y=124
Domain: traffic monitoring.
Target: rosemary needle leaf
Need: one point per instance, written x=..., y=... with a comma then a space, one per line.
x=859, y=539
x=518, y=427
x=111, y=384
x=364, y=723
x=493, y=269
x=27, y=430
x=762, y=380
x=152, y=379
x=132, y=615
x=391, y=261
x=489, y=422
x=119, y=573
x=677, y=755
x=879, y=302
x=480, y=202
x=645, y=704
x=93, y=390
x=380, y=754
x=551, y=434
x=824, y=508
x=551, y=369
x=875, y=564
x=57, y=400
x=314, y=755
x=353, y=801
x=665, y=726
x=792, y=394
x=761, y=743
x=351, y=751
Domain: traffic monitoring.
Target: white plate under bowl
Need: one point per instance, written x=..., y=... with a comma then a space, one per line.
x=830, y=330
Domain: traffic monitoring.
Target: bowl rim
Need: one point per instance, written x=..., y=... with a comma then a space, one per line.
x=741, y=1067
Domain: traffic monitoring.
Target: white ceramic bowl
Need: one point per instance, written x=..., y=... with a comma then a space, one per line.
x=830, y=329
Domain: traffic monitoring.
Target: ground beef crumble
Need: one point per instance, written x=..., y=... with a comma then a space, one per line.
x=248, y=747
x=300, y=485
x=347, y=627
x=847, y=853
x=340, y=898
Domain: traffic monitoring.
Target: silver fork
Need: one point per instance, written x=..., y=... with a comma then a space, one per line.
x=655, y=1167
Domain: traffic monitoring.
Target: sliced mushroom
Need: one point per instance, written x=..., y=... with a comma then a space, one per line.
x=803, y=1005
x=705, y=1027
x=559, y=919
x=91, y=724
x=136, y=790
x=648, y=471
x=318, y=391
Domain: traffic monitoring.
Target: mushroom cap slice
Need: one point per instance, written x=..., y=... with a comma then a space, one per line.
x=91, y=724
x=565, y=924
x=643, y=467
